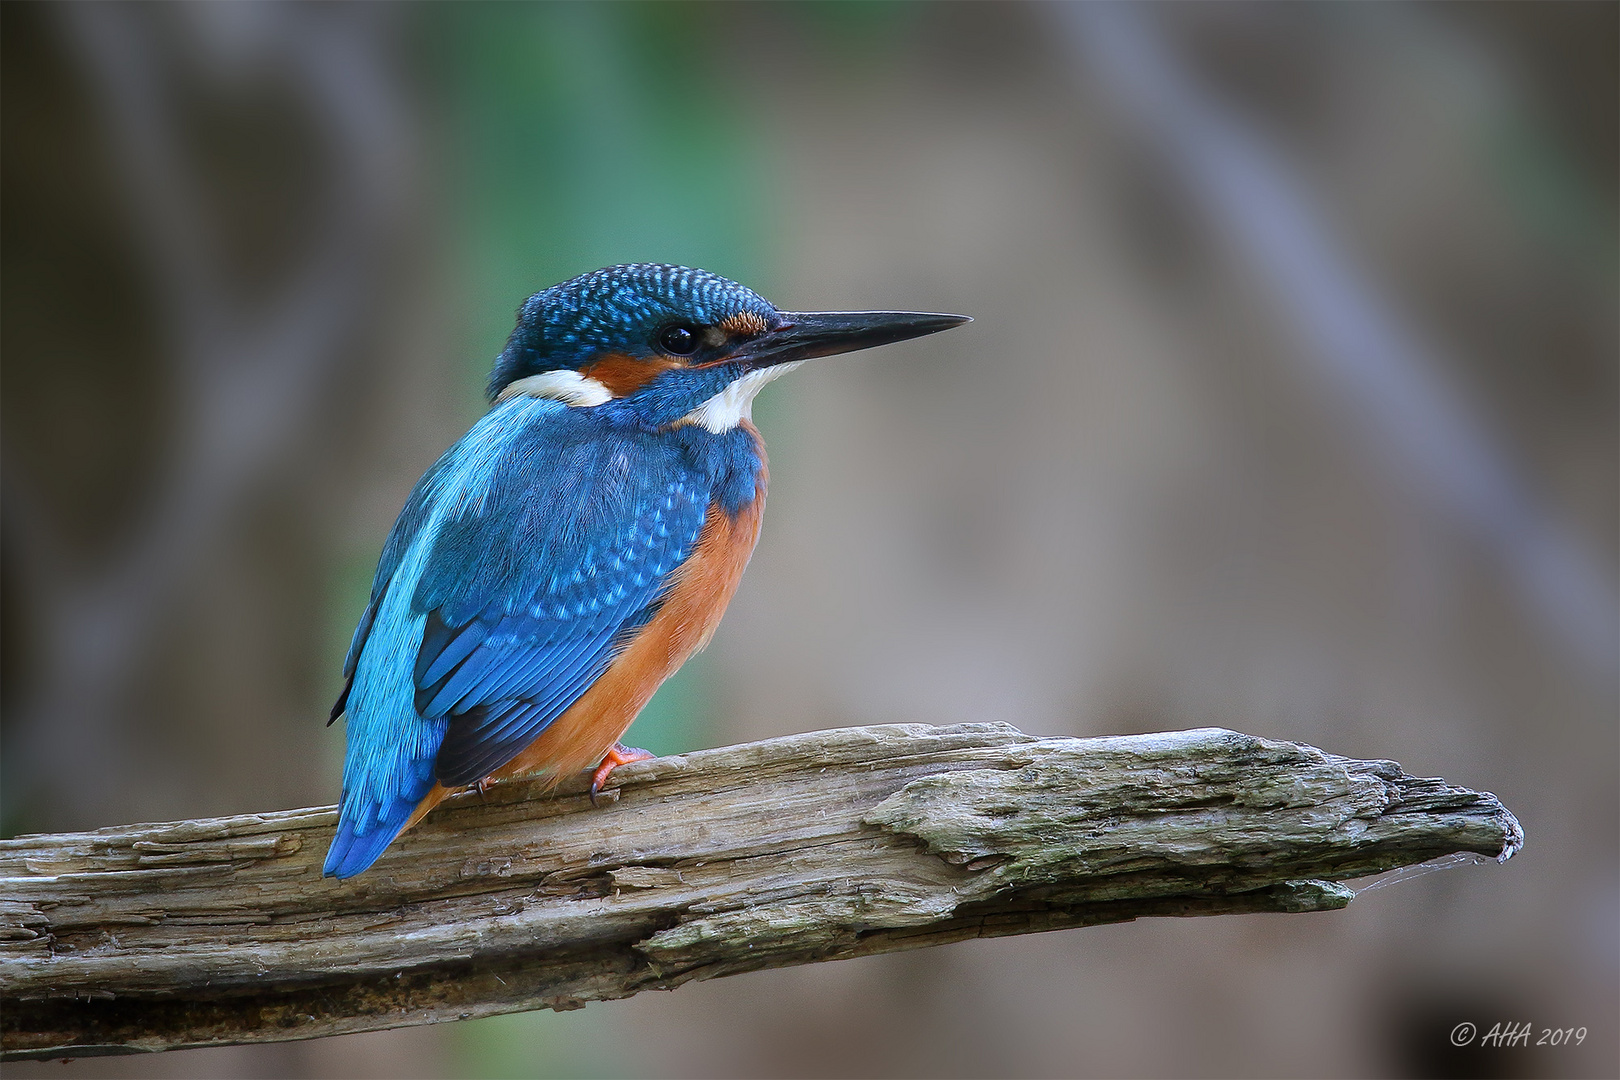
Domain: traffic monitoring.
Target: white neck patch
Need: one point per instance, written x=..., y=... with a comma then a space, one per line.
x=735, y=403
x=563, y=384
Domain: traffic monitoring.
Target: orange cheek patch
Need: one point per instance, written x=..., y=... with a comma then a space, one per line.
x=624, y=374
x=744, y=324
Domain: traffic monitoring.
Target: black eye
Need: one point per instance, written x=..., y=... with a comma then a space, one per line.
x=679, y=340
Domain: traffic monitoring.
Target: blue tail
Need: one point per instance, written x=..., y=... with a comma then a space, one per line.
x=363, y=832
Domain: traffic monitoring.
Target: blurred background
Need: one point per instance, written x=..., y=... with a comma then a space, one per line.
x=1290, y=406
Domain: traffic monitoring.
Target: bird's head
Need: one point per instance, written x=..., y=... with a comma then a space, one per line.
x=676, y=345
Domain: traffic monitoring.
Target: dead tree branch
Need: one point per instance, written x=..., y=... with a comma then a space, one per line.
x=790, y=851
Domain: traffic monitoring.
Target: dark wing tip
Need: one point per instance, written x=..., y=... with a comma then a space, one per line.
x=342, y=701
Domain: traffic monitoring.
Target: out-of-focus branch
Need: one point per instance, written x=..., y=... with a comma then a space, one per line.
x=796, y=850
x=246, y=362
x=1380, y=373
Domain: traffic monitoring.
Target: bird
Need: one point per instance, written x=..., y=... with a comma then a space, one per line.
x=569, y=552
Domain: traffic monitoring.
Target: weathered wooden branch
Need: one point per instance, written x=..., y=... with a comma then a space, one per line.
x=789, y=851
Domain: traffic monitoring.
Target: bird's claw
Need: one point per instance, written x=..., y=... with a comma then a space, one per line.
x=619, y=755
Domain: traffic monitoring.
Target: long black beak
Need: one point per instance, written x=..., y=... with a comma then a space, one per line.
x=805, y=334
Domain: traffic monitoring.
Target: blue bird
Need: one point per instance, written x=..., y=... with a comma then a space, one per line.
x=570, y=552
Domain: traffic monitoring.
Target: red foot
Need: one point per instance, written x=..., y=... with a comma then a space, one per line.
x=619, y=755
x=483, y=787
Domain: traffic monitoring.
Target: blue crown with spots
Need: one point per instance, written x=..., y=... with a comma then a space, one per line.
x=617, y=309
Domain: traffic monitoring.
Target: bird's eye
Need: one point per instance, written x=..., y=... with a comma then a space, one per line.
x=678, y=340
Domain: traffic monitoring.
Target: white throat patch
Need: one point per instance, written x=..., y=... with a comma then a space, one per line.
x=735, y=403
x=563, y=384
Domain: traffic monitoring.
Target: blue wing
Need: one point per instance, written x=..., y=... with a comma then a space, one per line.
x=529, y=556
x=527, y=606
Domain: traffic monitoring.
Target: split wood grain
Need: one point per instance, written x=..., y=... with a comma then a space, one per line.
x=813, y=847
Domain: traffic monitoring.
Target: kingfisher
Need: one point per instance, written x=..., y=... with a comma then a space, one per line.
x=577, y=545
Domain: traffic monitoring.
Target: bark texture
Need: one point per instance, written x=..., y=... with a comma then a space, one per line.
x=813, y=847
